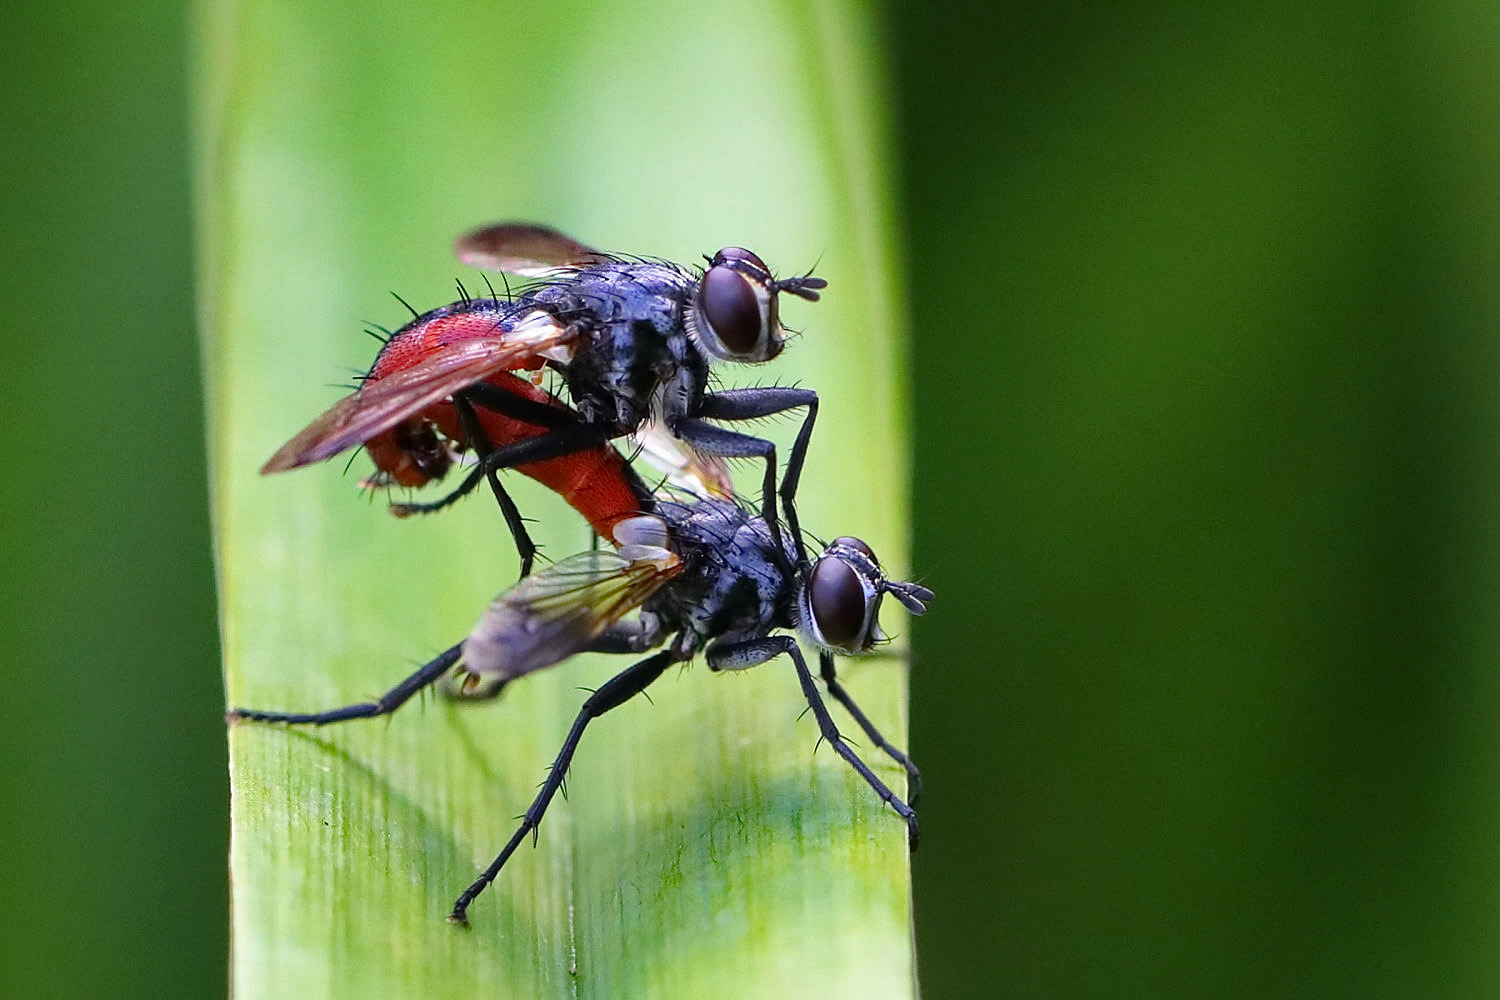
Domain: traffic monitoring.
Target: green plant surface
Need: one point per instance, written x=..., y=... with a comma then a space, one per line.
x=705, y=849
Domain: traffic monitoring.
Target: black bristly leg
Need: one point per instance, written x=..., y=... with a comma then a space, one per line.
x=529, y=411
x=713, y=440
x=793, y=476
x=483, y=447
x=617, y=690
x=741, y=655
x=765, y=401
x=751, y=404
x=549, y=444
x=831, y=680
x=384, y=705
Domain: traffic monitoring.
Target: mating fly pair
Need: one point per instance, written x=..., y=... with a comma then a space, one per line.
x=690, y=574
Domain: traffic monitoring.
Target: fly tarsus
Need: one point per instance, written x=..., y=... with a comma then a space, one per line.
x=756, y=651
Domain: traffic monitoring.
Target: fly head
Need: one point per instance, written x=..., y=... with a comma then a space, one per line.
x=839, y=606
x=733, y=312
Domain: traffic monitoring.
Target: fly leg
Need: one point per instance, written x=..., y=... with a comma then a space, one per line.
x=384, y=705
x=549, y=444
x=615, y=691
x=751, y=404
x=501, y=401
x=483, y=447
x=742, y=655
x=528, y=411
x=831, y=680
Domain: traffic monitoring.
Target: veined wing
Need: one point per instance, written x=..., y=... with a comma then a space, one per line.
x=561, y=609
x=380, y=405
x=523, y=248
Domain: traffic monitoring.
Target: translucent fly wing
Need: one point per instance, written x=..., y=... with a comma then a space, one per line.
x=523, y=248
x=685, y=467
x=561, y=609
x=380, y=405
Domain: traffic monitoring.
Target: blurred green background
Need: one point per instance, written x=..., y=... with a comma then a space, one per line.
x=1203, y=300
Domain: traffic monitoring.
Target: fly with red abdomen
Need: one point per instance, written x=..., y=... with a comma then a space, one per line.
x=631, y=339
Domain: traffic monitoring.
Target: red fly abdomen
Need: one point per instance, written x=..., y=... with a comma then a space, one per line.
x=593, y=482
x=596, y=482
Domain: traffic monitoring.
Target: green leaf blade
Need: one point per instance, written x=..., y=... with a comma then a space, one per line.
x=704, y=846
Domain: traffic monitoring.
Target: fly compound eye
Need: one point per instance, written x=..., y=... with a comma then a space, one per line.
x=733, y=315
x=733, y=312
x=839, y=604
x=858, y=545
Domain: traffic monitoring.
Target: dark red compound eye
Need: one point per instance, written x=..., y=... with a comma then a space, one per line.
x=730, y=306
x=849, y=541
x=837, y=600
